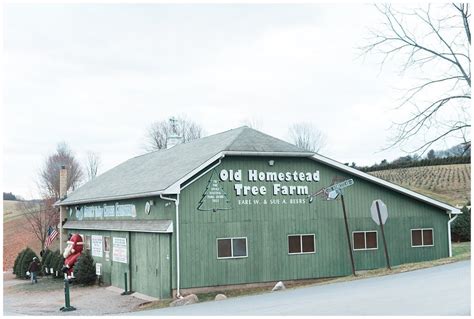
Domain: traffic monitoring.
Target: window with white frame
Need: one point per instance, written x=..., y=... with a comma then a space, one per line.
x=235, y=247
x=301, y=244
x=422, y=237
x=364, y=240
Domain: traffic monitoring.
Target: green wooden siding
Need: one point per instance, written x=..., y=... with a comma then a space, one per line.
x=148, y=264
x=267, y=227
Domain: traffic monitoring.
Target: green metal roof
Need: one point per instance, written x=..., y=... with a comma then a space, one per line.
x=154, y=172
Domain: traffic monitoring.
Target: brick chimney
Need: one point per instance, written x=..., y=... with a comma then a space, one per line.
x=62, y=182
x=62, y=209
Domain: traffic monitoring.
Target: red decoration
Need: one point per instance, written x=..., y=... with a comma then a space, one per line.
x=72, y=252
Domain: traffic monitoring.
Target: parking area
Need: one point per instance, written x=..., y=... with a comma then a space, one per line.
x=20, y=297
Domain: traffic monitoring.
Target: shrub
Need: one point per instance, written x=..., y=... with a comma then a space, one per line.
x=84, y=269
x=461, y=227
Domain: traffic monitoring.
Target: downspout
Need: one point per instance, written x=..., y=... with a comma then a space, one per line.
x=176, y=202
x=449, y=234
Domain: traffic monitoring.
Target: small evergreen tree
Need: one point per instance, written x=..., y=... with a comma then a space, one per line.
x=18, y=269
x=25, y=262
x=59, y=263
x=56, y=262
x=46, y=260
x=462, y=225
x=84, y=269
x=18, y=261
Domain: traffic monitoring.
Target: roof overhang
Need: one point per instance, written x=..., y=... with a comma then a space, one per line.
x=175, y=188
x=142, y=226
x=64, y=202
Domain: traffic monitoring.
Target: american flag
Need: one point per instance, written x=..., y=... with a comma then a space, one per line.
x=52, y=234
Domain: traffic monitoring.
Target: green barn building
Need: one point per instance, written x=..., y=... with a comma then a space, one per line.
x=234, y=208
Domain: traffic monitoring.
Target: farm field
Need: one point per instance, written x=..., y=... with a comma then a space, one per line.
x=448, y=183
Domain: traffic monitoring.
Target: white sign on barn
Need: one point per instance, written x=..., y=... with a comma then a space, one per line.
x=96, y=242
x=119, y=253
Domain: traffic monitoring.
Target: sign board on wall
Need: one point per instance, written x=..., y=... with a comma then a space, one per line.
x=96, y=242
x=106, y=211
x=98, y=268
x=119, y=250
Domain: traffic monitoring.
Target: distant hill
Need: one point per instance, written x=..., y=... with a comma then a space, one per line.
x=447, y=183
x=16, y=234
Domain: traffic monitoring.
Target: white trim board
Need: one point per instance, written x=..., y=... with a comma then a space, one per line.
x=379, y=181
x=175, y=188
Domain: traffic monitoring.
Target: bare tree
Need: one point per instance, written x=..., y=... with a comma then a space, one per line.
x=307, y=136
x=49, y=174
x=39, y=216
x=434, y=42
x=253, y=122
x=92, y=165
x=158, y=132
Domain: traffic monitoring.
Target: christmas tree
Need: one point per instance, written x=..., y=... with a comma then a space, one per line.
x=214, y=197
x=84, y=269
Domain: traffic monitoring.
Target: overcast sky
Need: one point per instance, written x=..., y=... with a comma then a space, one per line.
x=96, y=76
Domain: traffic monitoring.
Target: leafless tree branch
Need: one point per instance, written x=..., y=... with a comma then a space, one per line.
x=433, y=41
x=92, y=165
x=158, y=133
x=307, y=137
x=39, y=216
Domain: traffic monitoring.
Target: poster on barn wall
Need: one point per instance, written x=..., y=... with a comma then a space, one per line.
x=119, y=250
x=96, y=242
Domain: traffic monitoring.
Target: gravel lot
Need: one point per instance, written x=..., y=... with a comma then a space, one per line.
x=20, y=297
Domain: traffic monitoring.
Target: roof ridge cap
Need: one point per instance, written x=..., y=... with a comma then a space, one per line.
x=237, y=137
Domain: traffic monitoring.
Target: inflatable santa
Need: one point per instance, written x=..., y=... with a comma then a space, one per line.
x=72, y=253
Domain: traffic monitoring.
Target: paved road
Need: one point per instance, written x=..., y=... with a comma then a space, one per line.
x=441, y=290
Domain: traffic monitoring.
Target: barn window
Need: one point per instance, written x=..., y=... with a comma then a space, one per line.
x=231, y=247
x=301, y=244
x=87, y=242
x=106, y=244
x=364, y=240
x=422, y=237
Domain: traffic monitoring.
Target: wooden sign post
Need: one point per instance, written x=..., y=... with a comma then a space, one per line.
x=331, y=193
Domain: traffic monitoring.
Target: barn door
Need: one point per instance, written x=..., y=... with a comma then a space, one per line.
x=150, y=261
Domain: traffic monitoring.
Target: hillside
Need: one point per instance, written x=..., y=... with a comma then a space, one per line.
x=16, y=234
x=447, y=183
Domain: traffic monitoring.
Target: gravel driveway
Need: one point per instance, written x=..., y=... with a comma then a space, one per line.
x=45, y=298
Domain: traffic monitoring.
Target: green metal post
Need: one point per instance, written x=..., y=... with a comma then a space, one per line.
x=126, y=292
x=67, y=306
x=125, y=275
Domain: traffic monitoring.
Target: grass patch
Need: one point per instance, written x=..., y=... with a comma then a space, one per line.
x=461, y=250
x=164, y=303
